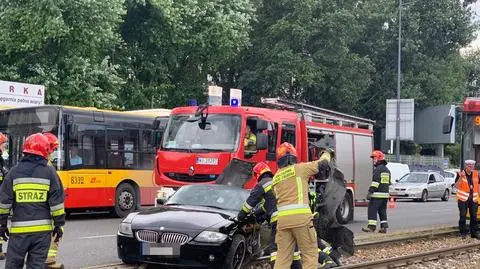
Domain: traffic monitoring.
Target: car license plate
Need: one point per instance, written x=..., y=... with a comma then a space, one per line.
x=160, y=250
x=207, y=161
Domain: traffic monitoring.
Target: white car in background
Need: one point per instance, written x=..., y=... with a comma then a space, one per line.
x=450, y=175
x=421, y=186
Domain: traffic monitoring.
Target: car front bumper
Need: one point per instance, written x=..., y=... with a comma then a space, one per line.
x=191, y=254
x=406, y=194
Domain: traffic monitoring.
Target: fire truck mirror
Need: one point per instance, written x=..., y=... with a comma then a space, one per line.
x=262, y=141
x=261, y=125
x=205, y=125
x=447, y=124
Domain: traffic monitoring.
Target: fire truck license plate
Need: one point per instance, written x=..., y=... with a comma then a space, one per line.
x=207, y=161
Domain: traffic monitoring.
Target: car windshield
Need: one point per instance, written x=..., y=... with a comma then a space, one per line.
x=186, y=133
x=414, y=178
x=209, y=195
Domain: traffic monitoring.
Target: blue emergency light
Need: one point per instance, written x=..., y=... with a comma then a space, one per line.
x=192, y=102
x=234, y=102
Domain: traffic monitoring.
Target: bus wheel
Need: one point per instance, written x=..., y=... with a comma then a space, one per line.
x=345, y=210
x=125, y=200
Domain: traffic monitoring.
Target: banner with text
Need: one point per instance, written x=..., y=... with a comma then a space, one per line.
x=17, y=94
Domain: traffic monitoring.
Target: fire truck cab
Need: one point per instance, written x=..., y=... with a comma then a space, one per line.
x=200, y=141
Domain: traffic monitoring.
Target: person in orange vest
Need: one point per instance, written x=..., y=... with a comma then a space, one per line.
x=467, y=196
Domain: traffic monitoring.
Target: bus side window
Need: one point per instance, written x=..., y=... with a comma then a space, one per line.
x=288, y=134
x=123, y=149
x=272, y=141
x=87, y=148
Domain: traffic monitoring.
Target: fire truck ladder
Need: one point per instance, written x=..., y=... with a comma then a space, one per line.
x=319, y=114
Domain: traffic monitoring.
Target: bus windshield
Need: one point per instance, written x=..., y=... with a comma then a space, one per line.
x=222, y=134
x=19, y=124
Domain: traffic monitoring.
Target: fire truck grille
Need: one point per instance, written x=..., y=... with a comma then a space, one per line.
x=194, y=178
x=174, y=238
x=147, y=236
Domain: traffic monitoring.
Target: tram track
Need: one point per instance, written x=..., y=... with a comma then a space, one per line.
x=373, y=242
x=422, y=257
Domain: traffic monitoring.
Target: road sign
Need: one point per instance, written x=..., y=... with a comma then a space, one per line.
x=406, y=119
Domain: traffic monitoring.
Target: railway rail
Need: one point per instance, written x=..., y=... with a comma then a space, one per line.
x=422, y=257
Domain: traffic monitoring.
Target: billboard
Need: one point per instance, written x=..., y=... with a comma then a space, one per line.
x=16, y=94
x=429, y=123
x=406, y=119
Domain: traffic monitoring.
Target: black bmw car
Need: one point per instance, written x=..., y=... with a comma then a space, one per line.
x=193, y=228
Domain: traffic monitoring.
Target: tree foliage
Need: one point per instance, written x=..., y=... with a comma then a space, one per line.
x=339, y=54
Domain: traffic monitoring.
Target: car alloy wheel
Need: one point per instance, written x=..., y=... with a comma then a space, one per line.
x=239, y=256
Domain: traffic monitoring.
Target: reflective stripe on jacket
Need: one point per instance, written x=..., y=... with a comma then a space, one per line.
x=261, y=193
x=33, y=191
x=463, y=188
x=381, y=181
x=291, y=189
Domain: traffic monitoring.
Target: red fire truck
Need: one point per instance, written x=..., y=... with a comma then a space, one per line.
x=470, y=138
x=197, y=149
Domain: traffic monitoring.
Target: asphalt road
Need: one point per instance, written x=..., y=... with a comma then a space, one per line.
x=90, y=240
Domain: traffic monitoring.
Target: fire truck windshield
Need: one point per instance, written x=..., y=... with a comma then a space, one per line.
x=183, y=134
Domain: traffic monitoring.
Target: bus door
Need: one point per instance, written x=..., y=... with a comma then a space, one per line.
x=85, y=161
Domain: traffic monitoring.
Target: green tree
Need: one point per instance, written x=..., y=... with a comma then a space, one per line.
x=432, y=70
x=171, y=47
x=64, y=45
x=300, y=50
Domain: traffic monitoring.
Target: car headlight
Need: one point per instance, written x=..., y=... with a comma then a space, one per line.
x=125, y=227
x=210, y=237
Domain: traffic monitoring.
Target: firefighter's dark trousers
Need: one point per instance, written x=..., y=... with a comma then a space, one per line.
x=377, y=206
x=472, y=208
x=34, y=246
x=296, y=264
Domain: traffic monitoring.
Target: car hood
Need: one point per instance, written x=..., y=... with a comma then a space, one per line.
x=408, y=185
x=185, y=219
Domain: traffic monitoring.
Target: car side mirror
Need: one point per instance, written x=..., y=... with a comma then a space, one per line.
x=447, y=124
x=262, y=141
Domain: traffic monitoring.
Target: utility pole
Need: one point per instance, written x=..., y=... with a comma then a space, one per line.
x=399, y=79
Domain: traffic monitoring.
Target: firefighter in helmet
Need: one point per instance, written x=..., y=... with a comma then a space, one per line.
x=378, y=193
x=263, y=192
x=3, y=173
x=32, y=190
x=51, y=262
x=295, y=218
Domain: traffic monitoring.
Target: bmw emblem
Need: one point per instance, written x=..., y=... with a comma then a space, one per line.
x=162, y=228
x=191, y=171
